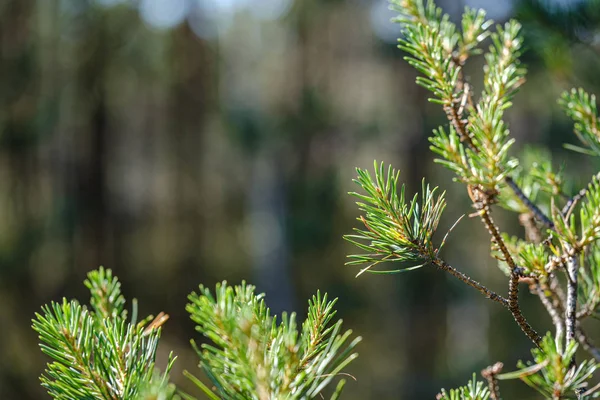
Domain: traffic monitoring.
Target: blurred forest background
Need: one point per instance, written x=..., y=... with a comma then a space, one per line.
x=181, y=142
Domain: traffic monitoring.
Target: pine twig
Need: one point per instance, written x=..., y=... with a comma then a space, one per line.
x=535, y=210
x=460, y=125
x=444, y=266
x=572, y=202
x=571, y=306
x=481, y=203
x=490, y=374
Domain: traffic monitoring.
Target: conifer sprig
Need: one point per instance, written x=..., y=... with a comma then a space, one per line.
x=255, y=357
x=474, y=390
x=553, y=374
x=477, y=143
x=581, y=107
x=98, y=354
x=395, y=229
x=400, y=231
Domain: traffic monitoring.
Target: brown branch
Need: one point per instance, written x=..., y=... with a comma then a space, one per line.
x=490, y=374
x=441, y=264
x=482, y=205
x=460, y=125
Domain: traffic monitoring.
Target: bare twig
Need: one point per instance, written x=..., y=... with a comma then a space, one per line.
x=441, y=264
x=490, y=375
x=481, y=204
x=571, y=310
x=460, y=124
x=535, y=210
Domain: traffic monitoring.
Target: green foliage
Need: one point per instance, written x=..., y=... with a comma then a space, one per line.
x=159, y=388
x=429, y=53
x=581, y=107
x=473, y=391
x=502, y=77
x=589, y=284
x=98, y=354
x=534, y=258
x=395, y=229
x=475, y=146
x=254, y=357
x=553, y=373
x=579, y=233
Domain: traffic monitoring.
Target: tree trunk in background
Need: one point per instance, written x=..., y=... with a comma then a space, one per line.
x=267, y=212
x=95, y=231
x=193, y=91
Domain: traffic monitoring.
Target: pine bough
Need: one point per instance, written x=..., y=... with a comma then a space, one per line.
x=99, y=352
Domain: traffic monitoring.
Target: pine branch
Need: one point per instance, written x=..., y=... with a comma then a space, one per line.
x=440, y=61
x=581, y=107
x=254, y=357
x=97, y=355
x=571, y=311
x=400, y=231
x=534, y=209
x=396, y=230
x=481, y=203
x=552, y=373
x=441, y=264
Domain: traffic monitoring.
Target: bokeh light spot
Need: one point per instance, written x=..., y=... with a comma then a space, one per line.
x=110, y=3
x=271, y=9
x=163, y=14
x=381, y=16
